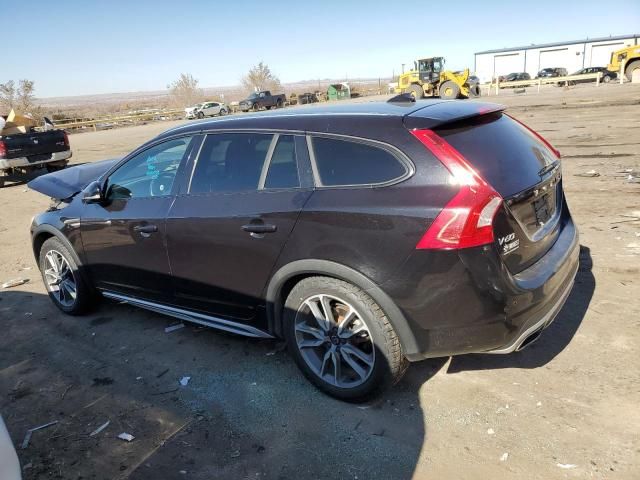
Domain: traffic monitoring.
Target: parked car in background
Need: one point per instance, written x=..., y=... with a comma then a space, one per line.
x=191, y=112
x=211, y=109
x=552, y=72
x=23, y=149
x=516, y=76
x=307, y=98
x=607, y=76
x=366, y=235
x=260, y=100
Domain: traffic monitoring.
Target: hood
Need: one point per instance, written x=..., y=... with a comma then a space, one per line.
x=66, y=183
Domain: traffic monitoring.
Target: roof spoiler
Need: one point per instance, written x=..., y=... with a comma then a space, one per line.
x=448, y=112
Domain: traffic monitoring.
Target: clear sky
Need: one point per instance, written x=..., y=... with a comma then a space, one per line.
x=78, y=47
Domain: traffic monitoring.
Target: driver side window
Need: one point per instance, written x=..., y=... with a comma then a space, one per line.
x=150, y=173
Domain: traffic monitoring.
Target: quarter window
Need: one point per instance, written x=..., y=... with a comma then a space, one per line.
x=230, y=162
x=344, y=162
x=150, y=173
x=283, y=169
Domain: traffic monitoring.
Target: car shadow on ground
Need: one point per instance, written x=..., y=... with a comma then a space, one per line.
x=553, y=340
x=246, y=411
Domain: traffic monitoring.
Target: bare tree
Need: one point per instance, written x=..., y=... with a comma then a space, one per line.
x=261, y=78
x=185, y=91
x=22, y=99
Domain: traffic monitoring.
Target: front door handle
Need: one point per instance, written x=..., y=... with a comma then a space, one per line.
x=145, y=230
x=259, y=228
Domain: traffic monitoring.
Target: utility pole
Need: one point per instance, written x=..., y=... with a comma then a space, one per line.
x=403, y=68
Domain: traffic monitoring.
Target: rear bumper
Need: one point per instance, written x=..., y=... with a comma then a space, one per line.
x=468, y=302
x=22, y=162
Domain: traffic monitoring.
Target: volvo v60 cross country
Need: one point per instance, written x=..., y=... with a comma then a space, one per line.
x=366, y=235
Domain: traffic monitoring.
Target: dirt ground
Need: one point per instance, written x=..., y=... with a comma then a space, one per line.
x=567, y=407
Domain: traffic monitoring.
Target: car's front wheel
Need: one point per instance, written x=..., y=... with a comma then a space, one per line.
x=65, y=286
x=341, y=339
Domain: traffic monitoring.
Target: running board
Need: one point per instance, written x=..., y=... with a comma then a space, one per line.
x=186, y=315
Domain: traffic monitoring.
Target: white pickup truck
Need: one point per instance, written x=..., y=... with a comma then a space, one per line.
x=24, y=152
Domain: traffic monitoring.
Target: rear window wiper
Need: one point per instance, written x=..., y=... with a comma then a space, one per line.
x=547, y=168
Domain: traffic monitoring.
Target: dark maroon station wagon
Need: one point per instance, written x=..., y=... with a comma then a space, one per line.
x=367, y=235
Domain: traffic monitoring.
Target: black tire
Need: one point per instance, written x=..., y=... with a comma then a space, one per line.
x=449, y=90
x=1, y=181
x=417, y=91
x=474, y=90
x=279, y=104
x=55, y=168
x=256, y=107
x=200, y=115
x=629, y=69
x=85, y=295
x=389, y=362
x=606, y=79
x=223, y=112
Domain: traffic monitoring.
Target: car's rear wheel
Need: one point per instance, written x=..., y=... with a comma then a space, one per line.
x=200, y=115
x=65, y=286
x=341, y=339
x=606, y=79
x=55, y=167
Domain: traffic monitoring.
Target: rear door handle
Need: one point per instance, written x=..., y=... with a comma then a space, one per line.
x=145, y=230
x=259, y=228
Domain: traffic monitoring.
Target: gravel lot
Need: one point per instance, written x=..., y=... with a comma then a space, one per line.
x=567, y=407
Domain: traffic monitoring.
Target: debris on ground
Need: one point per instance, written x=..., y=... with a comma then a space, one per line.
x=27, y=437
x=504, y=457
x=590, y=173
x=491, y=431
x=127, y=437
x=184, y=381
x=14, y=282
x=566, y=465
x=100, y=428
x=162, y=373
x=102, y=381
x=173, y=328
x=235, y=454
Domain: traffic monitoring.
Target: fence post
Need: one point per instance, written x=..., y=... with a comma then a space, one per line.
x=539, y=83
x=622, y=72
x=598, y=79
x=497, y=85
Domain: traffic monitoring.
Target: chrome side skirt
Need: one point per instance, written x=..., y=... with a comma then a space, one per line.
x=209, y=321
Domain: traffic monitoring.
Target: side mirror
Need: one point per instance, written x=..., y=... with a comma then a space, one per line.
x=92, y=193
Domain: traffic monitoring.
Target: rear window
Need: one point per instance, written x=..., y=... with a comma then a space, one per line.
x=504, y=152
x=345, y=163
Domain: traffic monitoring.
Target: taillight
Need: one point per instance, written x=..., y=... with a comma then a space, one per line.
x=3, y=149
x=467, y=220
x=555, y=151
x=66, y=139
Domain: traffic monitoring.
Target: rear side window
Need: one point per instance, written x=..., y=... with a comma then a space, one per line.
x=230, y=162
x=344, y=163
x=283, y=168
x=504, y=152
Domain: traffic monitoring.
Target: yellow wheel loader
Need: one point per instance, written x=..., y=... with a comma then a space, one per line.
x=429, y=78
x=627, y=58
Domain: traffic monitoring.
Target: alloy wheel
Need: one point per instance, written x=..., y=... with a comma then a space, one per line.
x=59, y=278
x=334, y=341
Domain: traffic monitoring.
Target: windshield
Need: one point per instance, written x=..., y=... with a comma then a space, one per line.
x=254, y=95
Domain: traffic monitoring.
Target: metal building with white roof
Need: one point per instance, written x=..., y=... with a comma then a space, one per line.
x=574, y=55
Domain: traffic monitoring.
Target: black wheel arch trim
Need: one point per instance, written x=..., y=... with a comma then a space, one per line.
x=328, y=268
x=54, y=232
